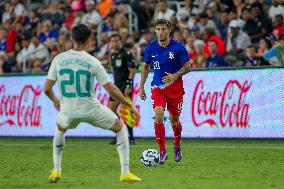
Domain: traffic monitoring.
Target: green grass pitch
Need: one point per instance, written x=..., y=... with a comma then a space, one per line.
x=93, y=164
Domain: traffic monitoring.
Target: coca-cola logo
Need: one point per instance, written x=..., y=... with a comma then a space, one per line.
x=22, y=109
x=227, y=107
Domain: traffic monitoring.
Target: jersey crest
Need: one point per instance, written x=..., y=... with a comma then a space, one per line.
x=171, y=55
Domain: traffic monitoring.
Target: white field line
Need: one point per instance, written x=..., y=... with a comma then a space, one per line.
x=147, y=146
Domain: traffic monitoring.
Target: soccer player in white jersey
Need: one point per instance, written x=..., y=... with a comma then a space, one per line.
x=74, y=70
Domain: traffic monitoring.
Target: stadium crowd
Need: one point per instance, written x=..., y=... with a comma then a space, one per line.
x=216, y=33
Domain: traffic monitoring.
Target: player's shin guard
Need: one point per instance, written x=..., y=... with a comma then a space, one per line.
x=122, y=144
x=58, y=144
x=177, y=134
x=160, y=136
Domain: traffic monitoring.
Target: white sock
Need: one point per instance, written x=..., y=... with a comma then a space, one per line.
x=58, y=144
x=122, y=144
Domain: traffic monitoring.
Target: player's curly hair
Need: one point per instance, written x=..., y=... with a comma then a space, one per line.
x=163, y=22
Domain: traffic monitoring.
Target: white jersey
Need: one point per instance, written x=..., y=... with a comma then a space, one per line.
x=75, y=71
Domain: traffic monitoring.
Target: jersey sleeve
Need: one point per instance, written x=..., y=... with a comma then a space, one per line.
x=130, y=60
x=52, y=73
x=147, y=57
x=101, y=75
x=183, y=56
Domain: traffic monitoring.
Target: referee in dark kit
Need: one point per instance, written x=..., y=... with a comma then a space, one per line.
x=124, y=69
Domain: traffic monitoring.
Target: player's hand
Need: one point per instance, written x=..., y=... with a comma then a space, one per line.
x=142, y=93
x=57, y=104
x=134, y=113
x=169, y=77
x=127, y=91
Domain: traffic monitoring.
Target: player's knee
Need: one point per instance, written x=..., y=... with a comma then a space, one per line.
x=159, y=115
x=174, y=122
x=61, y=128
x=159, y=119
x=117, y=126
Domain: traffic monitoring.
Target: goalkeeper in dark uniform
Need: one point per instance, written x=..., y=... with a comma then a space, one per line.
x=124, y=69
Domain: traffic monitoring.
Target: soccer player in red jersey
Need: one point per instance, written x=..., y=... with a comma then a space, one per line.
x=170, y=61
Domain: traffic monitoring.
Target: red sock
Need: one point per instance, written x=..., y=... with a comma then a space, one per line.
x=160, y=136
x=177, y=133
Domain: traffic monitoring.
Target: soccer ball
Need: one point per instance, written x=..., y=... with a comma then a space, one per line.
x=150, y=158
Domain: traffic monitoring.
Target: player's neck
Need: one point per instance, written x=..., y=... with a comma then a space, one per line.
x=80, y=48
x=164, y=43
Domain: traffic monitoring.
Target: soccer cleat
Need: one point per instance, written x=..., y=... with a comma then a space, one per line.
x=129, y=178
x=163, y=157
x=54, y=176
x=177, y=153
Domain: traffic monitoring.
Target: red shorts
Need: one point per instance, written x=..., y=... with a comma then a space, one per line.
x=171, y=96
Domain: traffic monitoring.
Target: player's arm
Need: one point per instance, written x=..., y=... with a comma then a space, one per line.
x=116, y=94
x=145, y=71
x=51, y=80
x=144, y=74
x=50, y=94
x=184, y=60
x=172, y=77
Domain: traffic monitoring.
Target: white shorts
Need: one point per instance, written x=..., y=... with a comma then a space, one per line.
x=103, y=117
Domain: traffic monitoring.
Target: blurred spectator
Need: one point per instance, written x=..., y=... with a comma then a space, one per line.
x=162, y=11
x=190, y=46
x=237, y=39
x=213, y=15
x=205, y=22
x=120, y=21
x=239, y=5
x=208, y=35
x=69, y=18
x=177, y=35
x=223, y=28
x=276, y=8
x=123, y=32
x=264, y=46
x=92, y=19
x=146, y=37
x=24, y=53
x=2, y=39
x=251, y=27
x=182, y=17
x=105, y=48
x=7, y=14
x=108, y=25
x=11, y=36
x=200, y=57
x=131, y=47
x=18, y=10
x=263, y=22
x=233, y=15
x=278, y=28
x=214, y=60
x=105, y=7
x=39, y=53
x=251, y=58
x=48, y=35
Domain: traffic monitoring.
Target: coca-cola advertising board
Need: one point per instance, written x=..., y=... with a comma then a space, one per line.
x=243, y=103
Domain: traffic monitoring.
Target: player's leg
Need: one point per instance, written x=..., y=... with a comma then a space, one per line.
x=107, y=119
x=58, y=144
x=175, y=107
x=159, y=104
x=63, y=124
x=113, y=105
x=177, y=128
